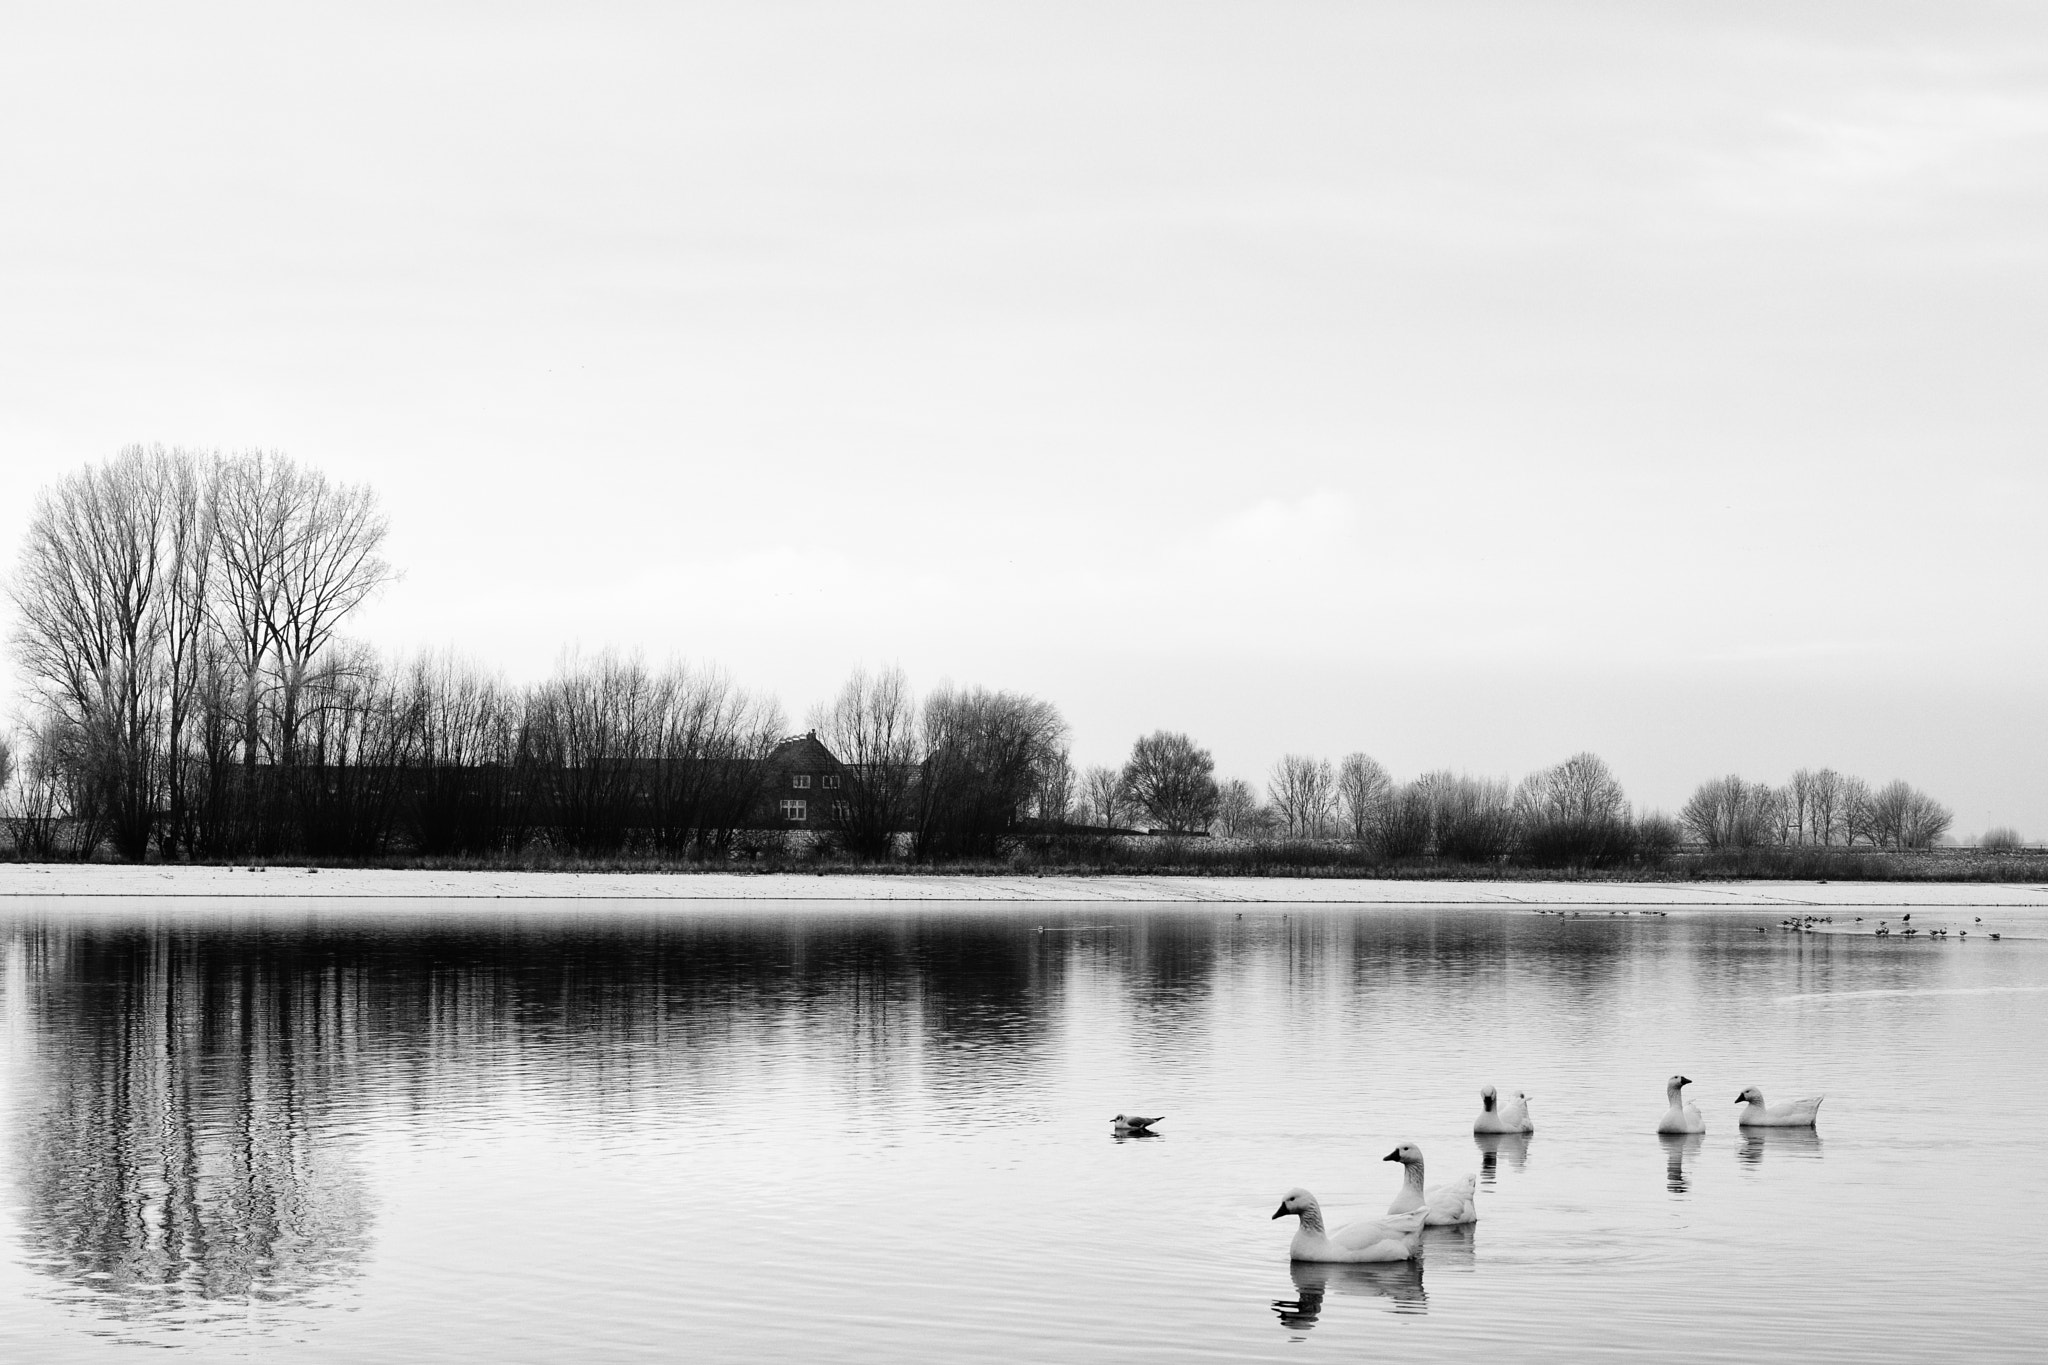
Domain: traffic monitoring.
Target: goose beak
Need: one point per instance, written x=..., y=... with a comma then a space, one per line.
x=1685, y=1080
x=1394, y=1155
x=1280, y=1212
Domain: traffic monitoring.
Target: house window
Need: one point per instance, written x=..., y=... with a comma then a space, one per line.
x=800, y=781
x=794, y=810
x=839, y=810
x=830, y=781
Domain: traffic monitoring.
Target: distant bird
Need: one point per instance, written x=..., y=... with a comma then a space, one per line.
x=1445, y=1206
x=1395, y=1237
x=1994, y=938
x=1498, y=1117
x=1906, y=918
x=1131, y=1125
x=1790, y=1114
x=1683, y=1115
x=1883, y=932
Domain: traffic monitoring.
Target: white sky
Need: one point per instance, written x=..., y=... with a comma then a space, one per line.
x=1469, y=384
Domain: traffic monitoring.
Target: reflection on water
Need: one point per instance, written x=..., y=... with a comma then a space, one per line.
x=1779, y=1142
x=173, y=1163
x=1494, y=1146
x=1678, y=1149
x=1452, y=1248
x=563, y=1135
x=1400, y=1281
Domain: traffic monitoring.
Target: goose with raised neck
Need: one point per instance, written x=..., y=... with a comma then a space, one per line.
x=1497, y=1115
x=1683, y=1116
x=1445, y=1206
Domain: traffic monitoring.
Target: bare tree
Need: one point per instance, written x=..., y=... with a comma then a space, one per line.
x=1902, y=817
x=710, y=738
x=1363, y=789
x=1104, y=795
x=1823, y=806
x=93, y=593
x=1728, y=812
x=872, y=727
x=298, y=554
x=1471, y=819
x=985, y=753
x=1237, y=809
x=1574, y=814
x=1859, y=815
x=1303, y=790
x=1053, y=804
x=1173, y=781
x=189, y=484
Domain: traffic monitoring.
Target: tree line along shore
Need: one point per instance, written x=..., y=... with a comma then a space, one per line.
x=192, y=696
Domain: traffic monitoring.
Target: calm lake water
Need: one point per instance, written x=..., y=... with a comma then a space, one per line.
x=870, y=1133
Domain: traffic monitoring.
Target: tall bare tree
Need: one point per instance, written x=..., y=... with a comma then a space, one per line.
x=298, y=554
x=871, y=726
x=96, y=591
x=1362, y=791
x=1104, y=795
x=1302, y=789
x=1237, y=809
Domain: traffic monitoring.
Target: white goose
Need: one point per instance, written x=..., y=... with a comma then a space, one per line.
x=1503, y=1116
x=1446, y=1205
x=1790, y=1114
x=1684, y=1115
x=1393, y=1238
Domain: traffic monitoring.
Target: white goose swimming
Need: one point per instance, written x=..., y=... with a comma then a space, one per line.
x=1683, y=1116
x=1446, y=1205
x=1503, y=1116
x=1393, y=1238
x=1790, y=1114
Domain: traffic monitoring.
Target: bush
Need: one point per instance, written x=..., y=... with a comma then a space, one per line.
x=2001, y=839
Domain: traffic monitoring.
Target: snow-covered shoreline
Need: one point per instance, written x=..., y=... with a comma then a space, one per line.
x=102, y=881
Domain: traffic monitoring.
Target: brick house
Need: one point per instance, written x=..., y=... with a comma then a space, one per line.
x=803, y=786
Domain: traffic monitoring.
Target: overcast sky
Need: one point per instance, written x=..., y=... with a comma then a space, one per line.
x=1468, y=384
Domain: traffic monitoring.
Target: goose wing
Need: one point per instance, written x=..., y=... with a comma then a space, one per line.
x=1456, y=1202
x=1370, y=1232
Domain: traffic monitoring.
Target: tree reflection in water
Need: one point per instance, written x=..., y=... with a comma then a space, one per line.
x=191, y=1085
x=168, y=1157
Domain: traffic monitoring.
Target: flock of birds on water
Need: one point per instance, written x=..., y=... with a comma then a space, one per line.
x=1397, y=1234
x=1805, y=924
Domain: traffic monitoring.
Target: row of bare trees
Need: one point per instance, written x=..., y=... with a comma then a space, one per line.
x=1570, y=815
x=960, y=770
x=176, y=606
x=1817, y=808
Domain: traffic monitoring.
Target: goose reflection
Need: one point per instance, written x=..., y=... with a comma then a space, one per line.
x=1400, y=1281
x=1452, y=1248
x=1792, y=1142
x=1494, y=1146
x=1677, y=1148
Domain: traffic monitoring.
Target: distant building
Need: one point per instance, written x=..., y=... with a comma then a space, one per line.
x=803, y=786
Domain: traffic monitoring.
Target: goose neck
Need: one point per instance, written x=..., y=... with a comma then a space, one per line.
x=1312, y=1217
x=1412, y=1175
